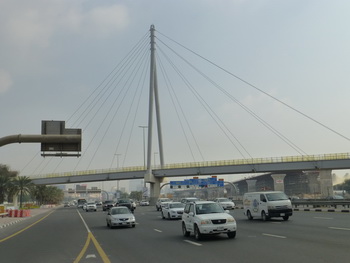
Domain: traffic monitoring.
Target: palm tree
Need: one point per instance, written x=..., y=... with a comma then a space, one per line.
x=5, y=181
x=21, y=185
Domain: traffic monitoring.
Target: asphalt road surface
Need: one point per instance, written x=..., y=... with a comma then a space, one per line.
x=73, y=235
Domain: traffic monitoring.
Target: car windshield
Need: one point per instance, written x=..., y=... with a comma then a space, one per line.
x=164, y=200
x=224, y=200
x=176, y=205
x=91, y=203
x=276, y=196
x=208, y=208
x=120, y=211
x=108, y=202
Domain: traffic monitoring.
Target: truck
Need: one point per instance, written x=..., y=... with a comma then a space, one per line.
x=266, y=205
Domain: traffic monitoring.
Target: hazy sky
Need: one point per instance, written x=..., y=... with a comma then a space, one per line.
x=55, y=53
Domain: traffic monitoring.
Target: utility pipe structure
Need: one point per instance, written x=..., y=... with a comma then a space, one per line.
x=22, y=138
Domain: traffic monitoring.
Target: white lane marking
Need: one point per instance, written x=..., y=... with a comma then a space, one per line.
x=326, y=218
x=339, y=228
x=269, y=235
x=87, y=228
x=157, y=230
x=193, y=243
x=91, y=256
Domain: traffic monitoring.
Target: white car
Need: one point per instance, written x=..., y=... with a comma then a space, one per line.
x=90, y=207
x=225, y=203
x=144, y=203
x=207, y=218
x=160, y=201
x=120, y=216
x=173, y=210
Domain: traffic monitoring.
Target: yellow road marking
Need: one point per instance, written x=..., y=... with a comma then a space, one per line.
x=100, y=251
x=15, y=234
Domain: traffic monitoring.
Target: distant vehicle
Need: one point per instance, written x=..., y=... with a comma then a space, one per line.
x=133, y=204
x=266, y=205
x=160, y=201
x=207, y=218
x=335, y=197
x=66, y=204
x=189, y=199
x=91, y=206
x=120, y=216
x=98, y=203
x=144, y=203
x=81, y=202
x=173, y=210
x=107, y=204
x=225, y=203
x=127, y=203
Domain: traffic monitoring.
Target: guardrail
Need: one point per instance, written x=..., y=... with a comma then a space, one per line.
x=301, y=158
x=321, y=203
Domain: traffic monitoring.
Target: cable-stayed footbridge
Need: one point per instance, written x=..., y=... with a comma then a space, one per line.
x=154, y=174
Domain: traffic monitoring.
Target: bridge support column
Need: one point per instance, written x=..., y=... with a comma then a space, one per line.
x=326, y=183
x=278, y=181
x=154, y=187
x=251, y=185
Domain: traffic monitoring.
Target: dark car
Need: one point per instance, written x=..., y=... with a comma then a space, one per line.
x=127, y=203
x=107, y=205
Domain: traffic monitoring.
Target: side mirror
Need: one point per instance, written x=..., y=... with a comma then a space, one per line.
x=191, y=213
x=227, y=212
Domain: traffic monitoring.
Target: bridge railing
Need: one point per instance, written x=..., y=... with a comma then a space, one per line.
x=251, y=161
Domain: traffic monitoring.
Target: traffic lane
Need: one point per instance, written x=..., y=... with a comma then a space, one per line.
x=57, y=238
x=156, y=239
x=153, y=239
x=310, y=235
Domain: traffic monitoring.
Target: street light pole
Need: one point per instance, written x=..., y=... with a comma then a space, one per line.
x=144, y=145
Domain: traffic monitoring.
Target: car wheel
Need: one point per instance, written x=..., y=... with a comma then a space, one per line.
x=231, y=234
x=110, y=225
x=133, y=225
x=163, y=215
x=249, y=215
x=107, y=224
x=264, y=216
x=197, y=233
x=184, y=230
x=285, y=218
x=169, y=216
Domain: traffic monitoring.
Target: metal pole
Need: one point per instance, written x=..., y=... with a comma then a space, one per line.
x=144, y=145
x=151, y=99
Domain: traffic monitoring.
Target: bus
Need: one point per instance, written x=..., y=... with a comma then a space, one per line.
x=81, y=202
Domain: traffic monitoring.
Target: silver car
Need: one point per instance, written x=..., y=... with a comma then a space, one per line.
x=120, y=216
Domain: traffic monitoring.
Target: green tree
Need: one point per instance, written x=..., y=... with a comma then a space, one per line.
x=21, y=185
x=136, y=195
x=5, y=182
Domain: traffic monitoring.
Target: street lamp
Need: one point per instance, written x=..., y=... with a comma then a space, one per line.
x=154, y=155
x=144, y=145
x=118, y=154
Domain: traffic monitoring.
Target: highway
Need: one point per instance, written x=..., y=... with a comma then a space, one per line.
x=62, y=235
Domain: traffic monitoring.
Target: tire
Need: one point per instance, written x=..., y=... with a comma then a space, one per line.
x=133, y=225
x=285, y=218
x=231, y=234
x=184, y=230
x=107, y=224
x=197, y=233
x=163, y=215
x=249, y=215
x=264, y=217
x=169, y=216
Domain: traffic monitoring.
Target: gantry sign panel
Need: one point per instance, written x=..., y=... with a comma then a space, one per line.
x=61, y=149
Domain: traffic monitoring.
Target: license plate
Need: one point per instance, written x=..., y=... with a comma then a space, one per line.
x=283, y=214
x=220, y=228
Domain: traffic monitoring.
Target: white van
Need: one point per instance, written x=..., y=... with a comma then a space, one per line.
x=266, y=205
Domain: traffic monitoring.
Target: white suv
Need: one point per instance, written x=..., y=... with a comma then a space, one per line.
x=207, y=218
